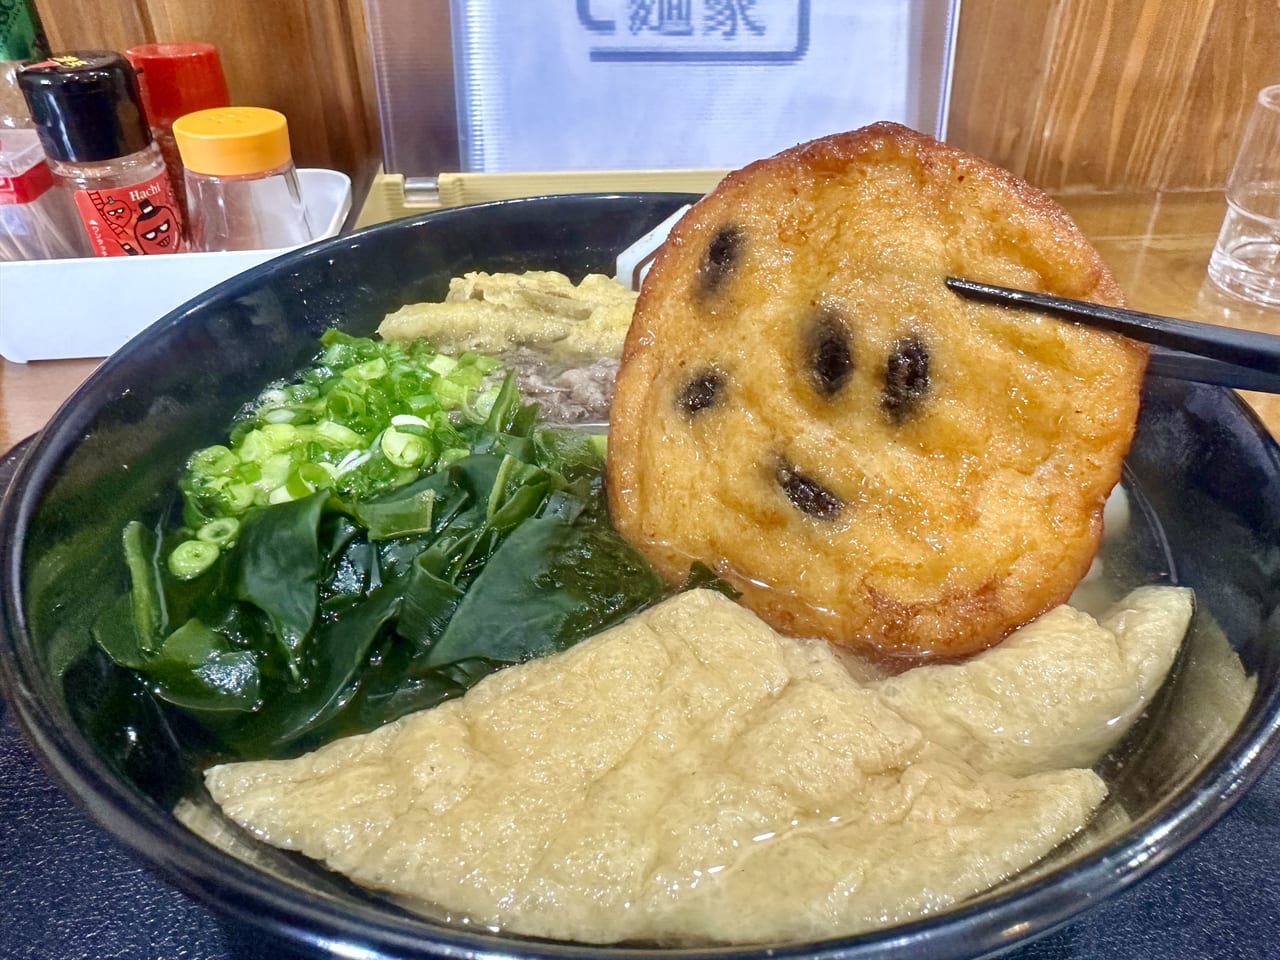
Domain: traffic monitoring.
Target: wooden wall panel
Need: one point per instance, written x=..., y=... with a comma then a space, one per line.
x=1111, y=94
x=308, y=59
x=1241, y=55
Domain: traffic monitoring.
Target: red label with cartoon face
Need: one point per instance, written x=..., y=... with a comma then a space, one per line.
x=142, y=218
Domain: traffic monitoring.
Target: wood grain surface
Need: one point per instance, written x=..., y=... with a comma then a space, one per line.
x=1111, y=94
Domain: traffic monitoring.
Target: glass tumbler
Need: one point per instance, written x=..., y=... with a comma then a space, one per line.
x=1246, y=258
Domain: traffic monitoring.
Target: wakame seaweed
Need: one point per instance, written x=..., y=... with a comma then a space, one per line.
x=325, y=608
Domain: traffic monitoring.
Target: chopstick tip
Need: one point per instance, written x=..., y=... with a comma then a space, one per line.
x=960, y=284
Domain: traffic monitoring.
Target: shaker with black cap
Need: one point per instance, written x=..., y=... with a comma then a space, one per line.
x=88, y=113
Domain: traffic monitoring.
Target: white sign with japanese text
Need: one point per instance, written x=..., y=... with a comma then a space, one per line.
x=655, y=84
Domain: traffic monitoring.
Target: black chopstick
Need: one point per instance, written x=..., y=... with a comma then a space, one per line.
x=1187, y=350
x=1179, y=365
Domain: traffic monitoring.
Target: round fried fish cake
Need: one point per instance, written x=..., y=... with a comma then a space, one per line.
x=806, y=408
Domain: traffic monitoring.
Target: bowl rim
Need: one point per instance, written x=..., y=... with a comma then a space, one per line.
x=989, y=923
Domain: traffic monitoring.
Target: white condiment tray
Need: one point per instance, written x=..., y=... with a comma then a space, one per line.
x=89, y=307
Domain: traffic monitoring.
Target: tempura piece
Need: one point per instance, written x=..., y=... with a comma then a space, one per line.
x=497, y=312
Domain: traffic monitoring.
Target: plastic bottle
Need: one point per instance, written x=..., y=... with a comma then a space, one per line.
x=242, y=188
x=88, y=113
x=37, y=222
x=176, y=79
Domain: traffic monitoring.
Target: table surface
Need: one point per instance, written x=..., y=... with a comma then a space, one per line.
x=68, y=891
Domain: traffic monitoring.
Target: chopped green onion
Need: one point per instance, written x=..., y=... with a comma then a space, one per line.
x=370, y=370
x=215, y=460
x=220, y=531
x=353, y=460
x=478, y=410
x=302, y=392
x=421, y=403
x=191, y=558
x=254, y=446
x=275, y=470
x=345, y=403
x=402, y=448
x=280, y=494
x=442, y=365
x=336, y=434
x=372, y=415
x=279, y=436
x=240, y=496
x=414, y=429
x=484, y=363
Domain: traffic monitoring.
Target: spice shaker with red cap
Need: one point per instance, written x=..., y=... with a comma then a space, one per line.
x=87, y=110
x=176, y=79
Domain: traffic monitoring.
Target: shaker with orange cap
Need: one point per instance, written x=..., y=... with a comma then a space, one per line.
x=242, y=187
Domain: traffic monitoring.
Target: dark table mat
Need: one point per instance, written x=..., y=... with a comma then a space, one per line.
x=69, y=892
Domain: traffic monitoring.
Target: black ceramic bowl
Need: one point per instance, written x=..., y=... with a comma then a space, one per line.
x=1204, y=470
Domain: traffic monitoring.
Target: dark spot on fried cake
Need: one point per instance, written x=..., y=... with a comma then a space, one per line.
x=829, y=352
x=701, y=391
x=807, y=494
x=906, y=378
x=722, y=257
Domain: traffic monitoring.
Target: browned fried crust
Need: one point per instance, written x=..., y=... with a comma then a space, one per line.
x=932, y=526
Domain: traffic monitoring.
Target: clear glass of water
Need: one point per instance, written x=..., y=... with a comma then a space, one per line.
x=1246, y=259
